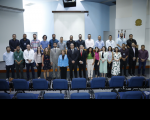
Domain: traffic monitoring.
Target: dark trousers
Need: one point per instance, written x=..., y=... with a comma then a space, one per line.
x=73, y=66
x=12, y=71
x=28, y=65
x=109, y=66
x=82, y=66
x=96, y=68
x=23, y=63
x=132, y=65
x=20, y=66
x=63, y=72
x=39, y=69
x=123, y=63
x=143, y=69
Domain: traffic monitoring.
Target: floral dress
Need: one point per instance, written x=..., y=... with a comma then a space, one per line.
x=116, y=65
x=47, y=65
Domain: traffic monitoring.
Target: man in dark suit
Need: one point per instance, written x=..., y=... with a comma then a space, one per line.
x=133, y=54
x=82, y=61
x=13, y=43
x=73, y=60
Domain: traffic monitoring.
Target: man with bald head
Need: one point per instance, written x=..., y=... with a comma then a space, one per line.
x=99, y=43
x=120, y=41
x=133, y=55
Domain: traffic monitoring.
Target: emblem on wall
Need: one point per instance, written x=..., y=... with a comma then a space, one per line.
x=138, y=22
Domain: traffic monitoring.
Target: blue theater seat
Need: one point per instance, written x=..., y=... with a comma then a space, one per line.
x=106, y=95
x=80, y=96
x=5, y=96
x=53, y=96
x=20, y=84
x=26, y=96
x=4, y=85
x=60, y=84
x=116, y=82
x=148, y=83
x=135, y=82
x=147, y=94
x=40, y=84
x=78, y=83
x=131, y=95
x=98, y=83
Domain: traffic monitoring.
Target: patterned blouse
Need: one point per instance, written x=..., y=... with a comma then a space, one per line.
x=109, y=56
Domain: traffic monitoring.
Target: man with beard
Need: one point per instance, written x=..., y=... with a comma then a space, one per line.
x=54, y=40
x=80, y=42
x=120, y=41
x=18, y=56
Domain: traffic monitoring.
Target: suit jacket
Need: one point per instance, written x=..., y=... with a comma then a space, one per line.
x=73, y=56
x=131, y=53
x=83, y=57
x=13, y=44
x=54, y=56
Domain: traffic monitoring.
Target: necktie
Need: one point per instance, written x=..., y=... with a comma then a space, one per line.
x=72, y=51
x=55, y=50
x=81, y=53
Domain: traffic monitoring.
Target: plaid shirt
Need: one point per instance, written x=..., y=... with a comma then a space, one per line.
x=35, y=44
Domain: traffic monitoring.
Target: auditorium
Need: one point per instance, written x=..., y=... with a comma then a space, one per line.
x=75, y=49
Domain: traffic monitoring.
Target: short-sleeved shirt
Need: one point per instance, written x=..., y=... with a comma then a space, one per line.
x=124, y=53
x=44, y=44
x=52, y=41
x=129, y=42
x=62, y=46
x=18, y=56
x=90, y=56
x=35, y=44
x=120, y=41
x=110, y=43
x=99, y=44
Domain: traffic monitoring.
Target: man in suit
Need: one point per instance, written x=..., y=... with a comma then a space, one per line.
x=13, y=43
x=54, y=54
x=73, y=60
x=82, y=61
x=133, y=54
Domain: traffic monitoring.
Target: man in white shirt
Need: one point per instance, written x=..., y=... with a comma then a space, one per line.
x=8, y=57
x=29, y=59
x=89, y=42
x=110, y=42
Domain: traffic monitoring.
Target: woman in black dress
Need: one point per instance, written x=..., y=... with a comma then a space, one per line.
x=46, y=62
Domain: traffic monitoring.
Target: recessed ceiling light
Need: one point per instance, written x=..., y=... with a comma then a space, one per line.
x=29, y=4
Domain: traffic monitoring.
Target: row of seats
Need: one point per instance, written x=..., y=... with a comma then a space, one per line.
x=76, y=84
x=100, y=95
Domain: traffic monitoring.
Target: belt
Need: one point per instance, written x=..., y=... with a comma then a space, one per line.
x=46, y=59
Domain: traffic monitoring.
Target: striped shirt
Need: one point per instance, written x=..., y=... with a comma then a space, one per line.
x=35, y=44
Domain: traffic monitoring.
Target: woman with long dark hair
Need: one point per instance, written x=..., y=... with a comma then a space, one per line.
x=96, y=62
x=46, y=62
x=38, y=61
x=116, y=62
x=103, y=61
x=90, y=62
x=109, y=61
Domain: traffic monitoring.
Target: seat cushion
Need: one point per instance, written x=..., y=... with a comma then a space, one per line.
x=4, y=85
x=98, y=83
x=135, y=82
x=53, y=96
x=105, y=95
x=116, y=81
x=80, y=96
x=60, y=84
x=40, y=84
x=5, y=96
x=78, y=83
x=130, y=95
x=26, y=96
x=20, y=84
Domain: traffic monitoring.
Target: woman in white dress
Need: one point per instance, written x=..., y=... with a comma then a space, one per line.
x=116, y=62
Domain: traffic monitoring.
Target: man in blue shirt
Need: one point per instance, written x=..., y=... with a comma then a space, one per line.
x=8, y=57
x=23, y=44
x=120, y=41
x=44, y=43
x=54, y=40
x=99, y=43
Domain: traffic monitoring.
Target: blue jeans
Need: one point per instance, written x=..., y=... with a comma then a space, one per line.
x=140, y=65
x=28, y=65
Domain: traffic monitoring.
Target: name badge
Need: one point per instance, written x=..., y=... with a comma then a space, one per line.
x=124, y=53
x=24, y=43
x=18, y=56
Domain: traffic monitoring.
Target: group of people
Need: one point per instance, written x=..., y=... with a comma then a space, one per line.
x=59, y=55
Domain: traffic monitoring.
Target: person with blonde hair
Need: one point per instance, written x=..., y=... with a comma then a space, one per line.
x=63, y=64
